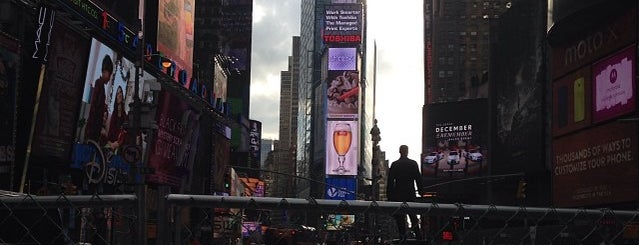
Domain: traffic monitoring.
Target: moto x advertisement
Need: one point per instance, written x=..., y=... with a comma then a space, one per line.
x=456, y=139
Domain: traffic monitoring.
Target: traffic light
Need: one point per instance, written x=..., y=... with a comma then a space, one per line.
x=521, y=189
x=227, y=183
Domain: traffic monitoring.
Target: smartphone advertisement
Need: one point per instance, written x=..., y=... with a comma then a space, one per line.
x=571, y=102
x=614, y=85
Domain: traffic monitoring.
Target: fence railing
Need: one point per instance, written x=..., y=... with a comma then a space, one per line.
x=202, y=219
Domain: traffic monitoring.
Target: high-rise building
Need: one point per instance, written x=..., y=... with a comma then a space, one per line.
x=315, y=75
x=284, y=153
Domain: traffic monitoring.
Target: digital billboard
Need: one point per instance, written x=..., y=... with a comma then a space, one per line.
x=342, y=147
x=571, y=102
x=342, y=59
x=175, y=33
x=339, y=221
x=9, y=60
x=614, y=85
x=456, y=139
x=62, y=88
x=341, y=188
x=343, y=93
x=342, y=23
x=235, y=23
x=596, y=166
x=101, y=136
x=255, y=141
x=172, y=153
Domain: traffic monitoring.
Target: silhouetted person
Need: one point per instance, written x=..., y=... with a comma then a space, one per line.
x=402, y=176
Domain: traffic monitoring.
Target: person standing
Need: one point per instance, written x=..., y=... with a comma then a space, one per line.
x=402, y=176
x=96, y=127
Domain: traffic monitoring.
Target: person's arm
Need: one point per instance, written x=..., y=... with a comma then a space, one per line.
x=418, y=178
x=390, y=184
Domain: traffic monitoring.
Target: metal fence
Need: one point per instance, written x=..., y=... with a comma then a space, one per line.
x=202, y=219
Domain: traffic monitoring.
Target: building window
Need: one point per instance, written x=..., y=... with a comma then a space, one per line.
x=442, y=74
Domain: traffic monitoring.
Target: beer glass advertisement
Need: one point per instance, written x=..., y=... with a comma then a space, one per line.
x=62, y=88
x=9, y=60
x=173, y=151
x=343, y=93
x=596, y=166
x=614, y=85
x=175, y=33
x=342, y=153
x=455, y=139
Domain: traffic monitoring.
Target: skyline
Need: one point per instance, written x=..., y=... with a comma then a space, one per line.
x=397, y=31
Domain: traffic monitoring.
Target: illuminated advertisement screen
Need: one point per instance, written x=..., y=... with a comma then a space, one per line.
x=456, y=140
x=343, y=93
x=9, y=60
x=571, y=102
x=235, y=23
x=614, y=85
x=172, y=154
x=255, y=140
x=249, y=227
x=175, y=33
x=342, y=59
x=596, y=166
x=341, y=188
x=62, y=88
x=342, y=23
x=342, y=147
x=339, y=221
x=108, y=90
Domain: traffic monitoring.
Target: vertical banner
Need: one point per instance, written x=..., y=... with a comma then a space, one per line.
x=255, y=141
x=342, y=147
x=9, y=60
x=56, y=122
x=172, y=153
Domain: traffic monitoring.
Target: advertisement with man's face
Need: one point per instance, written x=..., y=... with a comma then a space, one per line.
x=173, y=151
x=342, y=147
x=456, y=144
x=614, y=85
x=61, y=89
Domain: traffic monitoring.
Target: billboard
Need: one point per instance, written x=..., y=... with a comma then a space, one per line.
x=235, y=23
x=571, y=102
x=64, y=80
x=343, y=93
x=614, y=85
x=342, y=147
x=9, y=60
x=101, y=136
x=456, y=139
x=255, y=141
x=339, y=221
x=173, y=151
x=596, y=166
x=341, y=188
x=342, y=23
x=175, y=33
x=342, y=59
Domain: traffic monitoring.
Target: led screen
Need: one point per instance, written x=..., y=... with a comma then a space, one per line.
x=344, y=59
x=614, y=85
x=342, y=147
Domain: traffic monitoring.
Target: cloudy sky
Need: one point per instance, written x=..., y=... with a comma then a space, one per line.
x=397, y=30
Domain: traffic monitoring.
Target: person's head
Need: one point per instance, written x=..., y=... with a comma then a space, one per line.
x=119, y=95
x=403, y=150
x=107, y=67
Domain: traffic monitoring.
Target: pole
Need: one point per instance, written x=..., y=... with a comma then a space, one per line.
x=134, y=131
x=33, y=122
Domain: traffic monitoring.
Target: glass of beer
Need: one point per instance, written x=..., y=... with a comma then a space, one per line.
x=342, y=137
